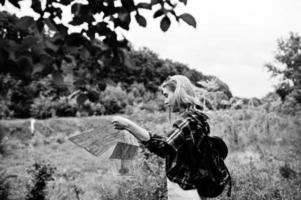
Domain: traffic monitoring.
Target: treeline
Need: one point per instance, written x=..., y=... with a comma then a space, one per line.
x=119, y=89
x=85, y=83
x=45, y=74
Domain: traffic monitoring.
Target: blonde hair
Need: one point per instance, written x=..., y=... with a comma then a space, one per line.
x=184, y=91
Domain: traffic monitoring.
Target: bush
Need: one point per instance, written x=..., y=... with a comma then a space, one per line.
x=41, y=173
x=4, y=185
x=114, y=100
x=150, y=106
x=63, y=108
x=5, y=112
x=42, y=108
x=150, y=170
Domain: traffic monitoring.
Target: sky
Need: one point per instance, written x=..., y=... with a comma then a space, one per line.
x=233, y=40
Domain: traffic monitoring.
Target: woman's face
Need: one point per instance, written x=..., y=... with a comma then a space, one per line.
x=168, y=95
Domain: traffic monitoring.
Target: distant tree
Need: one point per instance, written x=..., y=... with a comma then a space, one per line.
x=288, y=67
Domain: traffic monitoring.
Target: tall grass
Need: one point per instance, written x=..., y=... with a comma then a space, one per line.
x=264, y=158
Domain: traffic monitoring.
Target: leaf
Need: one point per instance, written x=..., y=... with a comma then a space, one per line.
x=84, y=54
x=76, y=21
x=62, y=29
x=29, y=41
x=117, y=22
x=69, y=59
x=158, y=13
x=127, y=4
x=93, y=96
x=153, y=2
x=15, y=3
x=80, y=82
x=36, y=6
x=51, y=24
x=144, y=5
x=25, y=66
x=57, y=78
x=40, y=24
x=46, y=60
x=65, y=2
x=102, y=86
x=91, y=33
x=165, y=23
x=75, y=8
x=38, y=69
x=127, y=59
x=140, y=20
x=189, y=19
x=25, y=22
x=124, y=15
x=102, y=28
x=50, y=46
x=81, y=98
x=184, y=2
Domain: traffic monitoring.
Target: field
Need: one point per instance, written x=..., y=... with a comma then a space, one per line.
x=264, y=158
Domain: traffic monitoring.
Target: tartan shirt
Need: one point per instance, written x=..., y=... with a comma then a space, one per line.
x=189, y=130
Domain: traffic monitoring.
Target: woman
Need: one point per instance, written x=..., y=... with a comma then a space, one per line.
x=176, y=147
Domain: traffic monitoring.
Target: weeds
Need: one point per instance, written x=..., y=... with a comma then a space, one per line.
x=5, y=185
x=41, y=173
x=264, y=159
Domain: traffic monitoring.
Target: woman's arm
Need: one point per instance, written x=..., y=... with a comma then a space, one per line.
x=122, y=123
x=155, y=143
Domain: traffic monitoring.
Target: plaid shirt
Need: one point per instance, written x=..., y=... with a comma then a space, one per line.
x=177, y=149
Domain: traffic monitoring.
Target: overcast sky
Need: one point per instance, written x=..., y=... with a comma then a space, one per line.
x=233, y=39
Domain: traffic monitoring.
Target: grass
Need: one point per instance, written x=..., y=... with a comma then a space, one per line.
x=264, y=157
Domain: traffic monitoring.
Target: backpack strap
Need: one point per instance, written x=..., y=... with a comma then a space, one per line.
x=230, y=183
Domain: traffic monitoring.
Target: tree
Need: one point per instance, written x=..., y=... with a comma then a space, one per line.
x=28, y=54
x=288, y=68
x=31, y=49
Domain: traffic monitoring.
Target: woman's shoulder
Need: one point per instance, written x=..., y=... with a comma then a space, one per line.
x=195, y=112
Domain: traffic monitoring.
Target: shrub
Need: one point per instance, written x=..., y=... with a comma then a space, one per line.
x=150, y=106
x=4, y=185
x=42, y=108
x=137, y=89
x=41, y=173
x=150, y=170
x=5, y=112
x=63, y=108
x=114, y=100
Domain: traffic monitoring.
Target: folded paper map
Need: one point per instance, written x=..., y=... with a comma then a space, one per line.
x=99, y=139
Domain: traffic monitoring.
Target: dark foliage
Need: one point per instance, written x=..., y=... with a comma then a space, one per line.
x=41, y=174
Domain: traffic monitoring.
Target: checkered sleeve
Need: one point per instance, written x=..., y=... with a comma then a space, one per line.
x=157, y=145
x=162, y=146
x=179, y=134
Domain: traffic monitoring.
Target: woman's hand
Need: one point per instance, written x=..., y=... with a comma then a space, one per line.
x=121, y=123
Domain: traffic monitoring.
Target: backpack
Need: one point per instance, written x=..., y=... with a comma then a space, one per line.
x=218, y=176
x=207, y=163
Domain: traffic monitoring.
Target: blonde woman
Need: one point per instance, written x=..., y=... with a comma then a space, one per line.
x=176, y=147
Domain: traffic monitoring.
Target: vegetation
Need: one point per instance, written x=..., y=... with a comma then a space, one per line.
x=47, y=71
x=82, y=85
x=41, y=174
x=263, y=157
x=31, y=49
x=287, y=68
